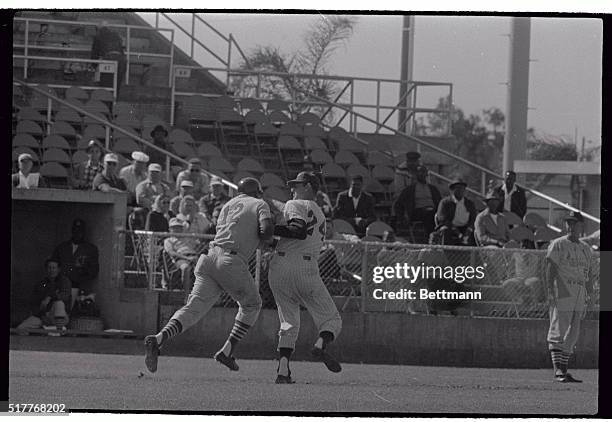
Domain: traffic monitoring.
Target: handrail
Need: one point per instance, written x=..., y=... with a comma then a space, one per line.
x=461, y=159
x=117, y=128
x=89, y=23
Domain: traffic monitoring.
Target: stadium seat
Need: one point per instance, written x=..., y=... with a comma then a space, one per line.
x=358, y=169
x=534, y=221
x=337, y=133
x=320, y=157
x=312, y=143
x=77, y=93
x=383, y=174
x=64, y=129
x=254, y=117
x=277, y=105
x=56, y=155
x=127, y=120
x=308, y=119
x=100, y=118
x=545, y=234
x=30, y=127
x=334, y=178
x=102, y=95
x=278, y=118
x=374, y=187
x=125, y=146
x=521, y=233
x=241, y=175
x=333, y=170
x=55, y=174
x=512, y=219
x=179, y=135
x=376, y=158
x=25, y=140
x=207, y=150
x=345, y=158
x=199, y=110
x=342, y=226
x=94, y=131
x=291, y=129
x=95, y=106
x=122, y=108
x=378, y=229
x=291, y=153
x=28, y=113
x=250, y=104
x=278, y=193
x=271, y=179
x=316, y=131
x=350, y=145
x=74, y=101
x=68, y=115
x=55, y=141
x=250, y=165
x=79, y=157
x=220, y=164
x=183, y=150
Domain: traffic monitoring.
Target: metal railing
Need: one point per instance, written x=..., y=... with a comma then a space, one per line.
x=500, y=282
x=108, y=126
x=129, y=30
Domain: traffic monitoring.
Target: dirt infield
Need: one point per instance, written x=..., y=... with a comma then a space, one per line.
x=121, y=382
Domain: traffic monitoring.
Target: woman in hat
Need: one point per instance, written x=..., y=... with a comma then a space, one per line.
x=25, y=178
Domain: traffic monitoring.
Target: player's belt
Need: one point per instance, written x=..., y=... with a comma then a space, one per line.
x=574, y=282
x=305, y=257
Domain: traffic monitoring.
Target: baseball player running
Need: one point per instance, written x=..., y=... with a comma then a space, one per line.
x=570, y=271
x=294, y=277
x=242, y=223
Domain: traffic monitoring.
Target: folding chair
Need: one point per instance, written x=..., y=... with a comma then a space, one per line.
x=55, y=174
x=250, y=165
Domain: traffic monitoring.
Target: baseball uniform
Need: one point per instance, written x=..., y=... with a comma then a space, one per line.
x=572, y=265
x=294, y=276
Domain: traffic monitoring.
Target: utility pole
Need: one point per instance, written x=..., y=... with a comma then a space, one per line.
x=405, y=101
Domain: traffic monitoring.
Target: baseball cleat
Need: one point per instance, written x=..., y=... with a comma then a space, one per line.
x=282, y=379
x=151, y=353
x=228, y=361
x=570, y=378
x=330, y=362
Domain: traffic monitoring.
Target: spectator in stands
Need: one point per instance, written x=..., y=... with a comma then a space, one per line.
x=197, y=222
x=328, y=260
x=107, y=181
x=137, y=218
x=405, y=173
x=181, y=251
x=151, y=187
x=526, y=285
x=418, y=202
x=158, y=135
x=108, y=45
x=158, y=217
x=445, y=232
x=85, y=172
x=462, y=211
x=24, y=178
x=490, y=227
x=511, y=197
x=185, y=189
x=217, y=197
x=196, y=176
x=355, y=205
x=321, y=198
x=134, y=173
x=50, y=299
x=79, y=259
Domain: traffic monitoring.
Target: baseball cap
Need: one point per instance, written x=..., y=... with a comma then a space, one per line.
x=574, y=216
x=159, y=128
x=25, y=156
x=140, y=156
x=111, y=157
x=93, y=143
x=491, y=195
x=174, y=222
x=216, y=181
x=194, y=161
x=187, y=183
x=305, y=177
x=155, y=167
x=457, y=181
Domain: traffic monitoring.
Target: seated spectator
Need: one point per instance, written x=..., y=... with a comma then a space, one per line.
x=158, y=136
x=158, y=217
x=197, y=222
x=490, y=228
x=217, y=197
x=406, y=171
x=86, y=171
x=355, y=206
x=511, y=197
x=328, y=260
x=418, y=202
x=526, y=285
x=134, y=173
x=195, y=175
x=462, y=211
x=445, y=232
x=107, y=181
x=137, y=218
x=50, y=299
x=182, y=252
x=151, y=187
x=185, y=189
x=24, y=178
x=79, y=260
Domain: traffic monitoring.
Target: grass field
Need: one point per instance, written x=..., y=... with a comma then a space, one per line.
x=118, y=382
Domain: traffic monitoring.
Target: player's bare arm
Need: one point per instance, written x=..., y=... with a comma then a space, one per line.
x=266, y=229
x=295, y=229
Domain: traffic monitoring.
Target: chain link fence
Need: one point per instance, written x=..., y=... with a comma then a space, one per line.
x=376, y=276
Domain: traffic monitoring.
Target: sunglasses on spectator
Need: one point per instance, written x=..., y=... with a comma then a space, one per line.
x=195, y=170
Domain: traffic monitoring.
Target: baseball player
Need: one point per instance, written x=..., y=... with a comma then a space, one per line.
x=242, y=223
x=294, y=277
x=570, y=272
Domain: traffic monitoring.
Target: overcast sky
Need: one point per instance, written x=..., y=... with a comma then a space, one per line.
x=469, y=52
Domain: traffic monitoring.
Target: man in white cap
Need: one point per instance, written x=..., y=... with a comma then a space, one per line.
x=149, y=188
x=216, y=198
x=186, y=188
x=24, y=178
x=107, y=181
x=85, y=171
x=134, y=173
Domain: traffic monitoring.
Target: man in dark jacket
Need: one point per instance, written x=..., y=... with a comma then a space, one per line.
x=355, y=205
x=79, y=259
x=418, y=202
x=462, y=210
x=50, y=299
x=511, y=197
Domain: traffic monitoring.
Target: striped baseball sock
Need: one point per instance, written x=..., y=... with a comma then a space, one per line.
x=325, y=337
x=172, y=328
x=239, y=330
x=564, y=361
x=557, y=361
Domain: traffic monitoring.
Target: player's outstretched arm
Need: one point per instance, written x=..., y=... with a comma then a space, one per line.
x=295, y=229
x=266, y=229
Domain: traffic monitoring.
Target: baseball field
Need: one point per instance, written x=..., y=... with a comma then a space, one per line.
x=121, y=382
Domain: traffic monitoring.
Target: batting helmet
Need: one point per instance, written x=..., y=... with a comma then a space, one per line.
x=249, y=186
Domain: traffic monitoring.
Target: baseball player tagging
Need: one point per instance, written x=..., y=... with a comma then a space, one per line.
x=294, y=277
x=242, y=223
x=570, y=268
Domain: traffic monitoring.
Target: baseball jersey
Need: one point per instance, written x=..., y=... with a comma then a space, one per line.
x=238, y=224
x=309, y=212
x=573, y=260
